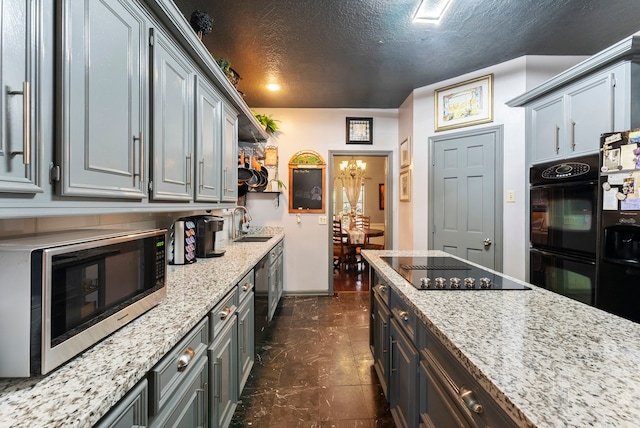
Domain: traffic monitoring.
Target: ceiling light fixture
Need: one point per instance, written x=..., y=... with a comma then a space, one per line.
x=431, y=11
x=273, y=87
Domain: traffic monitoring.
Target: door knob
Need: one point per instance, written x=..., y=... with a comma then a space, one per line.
x=487, y=242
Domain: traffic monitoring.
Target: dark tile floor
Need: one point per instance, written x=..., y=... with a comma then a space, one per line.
x=315, y=368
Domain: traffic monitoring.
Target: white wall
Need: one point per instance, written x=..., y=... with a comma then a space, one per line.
x=320, y=130
x=511, y=78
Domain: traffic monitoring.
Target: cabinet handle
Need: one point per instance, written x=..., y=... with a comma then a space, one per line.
x=246, y=286
x=185, y=359
x=573, y=136
x=202, y=174
x=556, y=138
x=391, y=342
x=26, y=122
x=217, y=372
x=140, y=139
x=219, y=361
x=226, y=311
x=225, y=181
x=241, y=336
x=188, y=171
x=404, y=315
x=470, y=400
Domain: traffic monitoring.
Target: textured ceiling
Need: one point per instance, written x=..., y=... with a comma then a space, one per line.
x=368, y=53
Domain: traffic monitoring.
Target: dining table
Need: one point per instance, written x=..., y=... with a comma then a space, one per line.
x=359, y=236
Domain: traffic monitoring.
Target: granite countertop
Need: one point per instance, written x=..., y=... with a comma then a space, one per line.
x=548, y=360
x=80, y=392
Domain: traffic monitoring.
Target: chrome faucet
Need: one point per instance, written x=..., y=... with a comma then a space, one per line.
x=235, y=232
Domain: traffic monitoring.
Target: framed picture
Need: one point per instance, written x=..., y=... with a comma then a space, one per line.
x=405, y=153
x=271, y=156
x=464, y=104
x=359, y=130
x=381, y=196
x=405, y=186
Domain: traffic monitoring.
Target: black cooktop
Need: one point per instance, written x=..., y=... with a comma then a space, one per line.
x=447, y=273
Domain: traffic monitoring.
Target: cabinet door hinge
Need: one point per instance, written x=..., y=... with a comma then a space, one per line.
x=54, y=173
x=150, y=186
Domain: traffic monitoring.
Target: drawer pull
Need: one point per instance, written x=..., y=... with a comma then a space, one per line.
x=185, y=359
x=226, y=311
x=404, y=315
x=246, y=286
x=470, y=400
x=382, y=288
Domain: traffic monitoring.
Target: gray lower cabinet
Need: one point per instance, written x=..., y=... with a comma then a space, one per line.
x=130, y=412
x=246, y=323
x=276, y=281
x=172, y=121
x=19, y=67
x=223, y=361
x=178, y=384
x=103, y=111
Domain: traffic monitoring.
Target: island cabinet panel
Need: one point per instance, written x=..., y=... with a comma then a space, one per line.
x=132, y=411
x=208, y=139
x=448, y=392
x=403, y=364
x=103, y=111
x=19, y=67
x=380, y=337
x=173, y=112
x=568, y=122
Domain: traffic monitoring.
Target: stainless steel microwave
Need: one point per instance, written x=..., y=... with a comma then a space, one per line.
x=63, y=292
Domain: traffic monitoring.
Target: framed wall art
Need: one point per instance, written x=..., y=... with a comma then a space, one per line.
x=464, y=104
x=405, y=186
x=359, y=130
x=405, y=153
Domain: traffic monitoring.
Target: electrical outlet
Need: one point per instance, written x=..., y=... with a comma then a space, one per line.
x=322, y=219
x=511, y=196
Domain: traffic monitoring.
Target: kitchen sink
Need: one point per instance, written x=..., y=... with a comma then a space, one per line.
x=252, y=239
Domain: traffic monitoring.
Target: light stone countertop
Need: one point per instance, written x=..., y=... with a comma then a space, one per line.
x=81, y=391
x=548, y=360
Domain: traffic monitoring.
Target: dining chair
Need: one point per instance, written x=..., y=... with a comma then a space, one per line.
x=340, y=249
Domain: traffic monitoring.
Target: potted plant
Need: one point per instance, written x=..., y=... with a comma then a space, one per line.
x=201, y=23
x=232, y=75
x=270, y=124
x=276, y=185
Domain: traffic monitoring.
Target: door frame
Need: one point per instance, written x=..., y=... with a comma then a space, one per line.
x=498, y=132
x=388, y=197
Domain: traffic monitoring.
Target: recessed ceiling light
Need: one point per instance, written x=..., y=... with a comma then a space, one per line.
x=431, y=11
x=273, y=87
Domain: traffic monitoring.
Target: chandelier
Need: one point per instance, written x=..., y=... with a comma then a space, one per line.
x=352, y=176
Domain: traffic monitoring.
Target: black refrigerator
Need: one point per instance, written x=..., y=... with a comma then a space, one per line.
x=618, y=288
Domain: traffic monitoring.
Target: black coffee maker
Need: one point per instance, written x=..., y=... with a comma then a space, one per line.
x=206, y=228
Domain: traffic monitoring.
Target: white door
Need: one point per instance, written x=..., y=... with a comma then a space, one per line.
x=465, y=182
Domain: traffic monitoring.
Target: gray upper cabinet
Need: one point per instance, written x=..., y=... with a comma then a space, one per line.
x=173, y=112
x=208, y=142
x=569, y=123
x=18, y=60
x=230, y=155
x=103, y=99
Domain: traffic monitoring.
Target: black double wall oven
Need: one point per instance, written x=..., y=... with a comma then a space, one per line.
x=564, y=227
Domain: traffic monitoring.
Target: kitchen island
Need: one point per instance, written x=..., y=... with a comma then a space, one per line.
x=83, y=390
x=546, y=360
